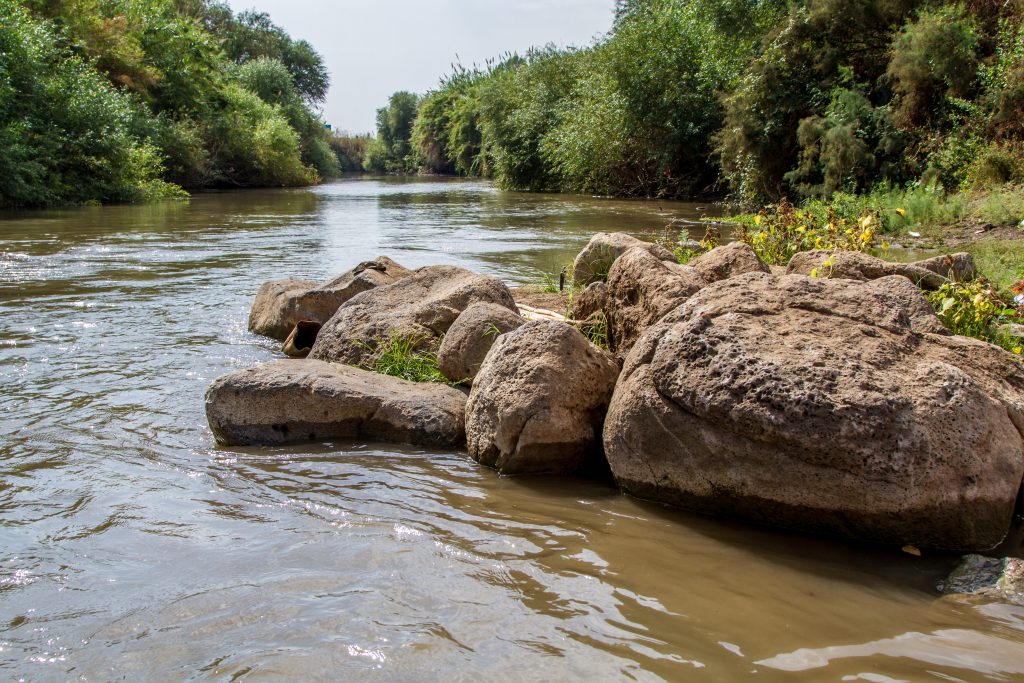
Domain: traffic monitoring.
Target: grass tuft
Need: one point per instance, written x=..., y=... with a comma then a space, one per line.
x=400, y=356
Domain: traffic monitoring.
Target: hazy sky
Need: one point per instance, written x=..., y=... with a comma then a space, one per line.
x=375, y=47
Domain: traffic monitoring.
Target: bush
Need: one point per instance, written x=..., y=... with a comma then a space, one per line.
x=974, y=309
x=256, y=144
x=780, y=231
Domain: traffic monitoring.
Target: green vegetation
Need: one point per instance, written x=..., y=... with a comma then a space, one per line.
x=129, y=100
x=401, y=356
x=889, y=104
x=975, y=309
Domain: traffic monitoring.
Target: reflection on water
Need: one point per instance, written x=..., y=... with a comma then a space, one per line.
x=131, y=547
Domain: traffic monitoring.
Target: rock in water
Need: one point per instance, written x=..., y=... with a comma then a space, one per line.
x=642, y=289
x=470, y=338
x=308, y=400
x=594, y=262
x=820, y=405
x=281, y=304
x=538, y=401
x=422, y=306
x=995, y=578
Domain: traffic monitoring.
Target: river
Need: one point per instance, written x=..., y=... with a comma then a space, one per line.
x=133, y=548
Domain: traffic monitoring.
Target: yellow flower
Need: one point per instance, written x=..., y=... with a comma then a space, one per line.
x=902, y=212
x=1018, y=350
x=885, y=246
x=757, y=219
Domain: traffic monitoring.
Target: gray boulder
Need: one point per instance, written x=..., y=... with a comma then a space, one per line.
x=855, y=265
x=595, y=261
x=728, y=260
x=281, y=304
x=538, y=402
x=990, y=578
x=422, y=307
x=642, y=289
x=470, y=338
x=820, y=405
x=308, y=400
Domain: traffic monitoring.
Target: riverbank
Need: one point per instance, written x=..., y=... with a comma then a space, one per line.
x=360, y=559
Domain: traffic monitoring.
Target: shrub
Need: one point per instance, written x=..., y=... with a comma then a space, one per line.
x=781, y=230
x=974, y=309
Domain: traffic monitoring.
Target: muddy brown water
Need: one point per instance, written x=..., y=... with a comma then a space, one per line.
x=132, y=548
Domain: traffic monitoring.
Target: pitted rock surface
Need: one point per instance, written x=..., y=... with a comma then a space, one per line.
x=824, y=406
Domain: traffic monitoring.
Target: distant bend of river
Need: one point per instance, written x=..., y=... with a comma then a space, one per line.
x=132, y=548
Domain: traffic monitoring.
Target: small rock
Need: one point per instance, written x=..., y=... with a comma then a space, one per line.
x=855, y=265
x=959, y=267
x=470, y=338
x=596, y=259
x=995, y=578
x=421, y=306
x=281, y=304
x=728, y=260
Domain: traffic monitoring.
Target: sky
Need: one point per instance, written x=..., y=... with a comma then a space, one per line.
x=373, y=48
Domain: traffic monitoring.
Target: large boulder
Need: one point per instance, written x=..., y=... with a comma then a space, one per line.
x=820, y=405
x=420, y=307
x=855, y=265
x=470, y=338
x=642, y=289
x=596, y=259
x=308, y=400
x=538, y=401
x=281, y=304
x=728, y=260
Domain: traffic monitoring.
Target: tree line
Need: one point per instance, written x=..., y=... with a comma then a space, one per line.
x=128, y=100
x=756, y=98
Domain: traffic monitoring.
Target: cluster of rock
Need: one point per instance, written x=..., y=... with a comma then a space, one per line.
x=834, y=405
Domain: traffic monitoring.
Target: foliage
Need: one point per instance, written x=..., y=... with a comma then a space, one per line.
x=391, y=151
x=974, y=309
x=780, y=231
x=401, y=356
x=128, y=100
x=1002, y=261
x=64, y=131
x=350, y=150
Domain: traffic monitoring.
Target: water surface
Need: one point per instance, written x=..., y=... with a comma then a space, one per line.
x=132, y=548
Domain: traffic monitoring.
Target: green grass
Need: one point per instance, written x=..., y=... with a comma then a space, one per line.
x=400, y=356
x=1000, y=261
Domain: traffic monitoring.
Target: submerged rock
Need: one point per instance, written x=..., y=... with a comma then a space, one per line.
x=594, y=262
x=538, y=401
x=855, y=265
x=281, y=304
x=642, y=289
x=421, y=306
x=470, y=338
x=993, y=578
x=820, y=405
x=308, y=400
